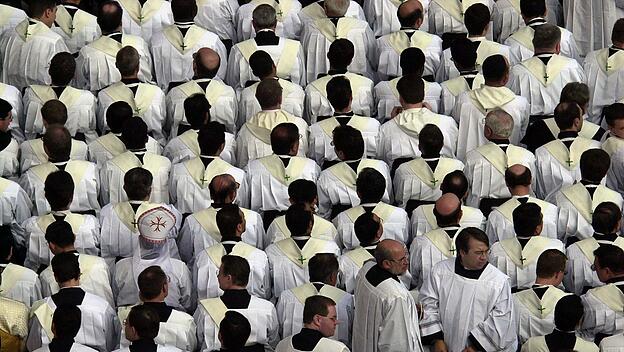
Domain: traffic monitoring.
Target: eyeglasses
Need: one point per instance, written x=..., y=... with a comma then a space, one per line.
x=400, y=260
x=482, y=253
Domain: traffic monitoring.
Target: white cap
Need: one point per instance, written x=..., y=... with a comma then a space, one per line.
x=155, y=224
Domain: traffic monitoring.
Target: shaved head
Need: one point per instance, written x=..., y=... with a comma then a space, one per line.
x=410, y=12
x=517, y=169
x=518, y=175
x=206, y=63
x=387, y=248
x=499, y=123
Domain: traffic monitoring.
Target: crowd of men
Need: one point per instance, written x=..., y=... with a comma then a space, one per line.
x=298, y=175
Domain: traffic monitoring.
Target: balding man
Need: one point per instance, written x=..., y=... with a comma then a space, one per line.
x=439, y=244
x=147, y=100
x=288, y=21
x=386, y=317
x=405, y=34
x=173, y=47
x=486, y=165
x=286, y=53
x=95, y=64
x=500, y=220
x=313, y=10
x=254, y=138
x=145, y=20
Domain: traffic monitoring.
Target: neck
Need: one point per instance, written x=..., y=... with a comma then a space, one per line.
x=544, y=51
x=274, y=107
x=546, y=281
x=69, y=283
x=619, y=45
x=347, y=109
x=311, y=327
x=133, y=76
x=571, y=129
x=520, y=191
x=158, y=299
x=235, y=287
x=113, y=31
x=477, y=35
x=412, y=106
x=369, y=201
x=59, y=209
x=67, y=249
x=58, y=160
x=429, y=155
x=495, y=84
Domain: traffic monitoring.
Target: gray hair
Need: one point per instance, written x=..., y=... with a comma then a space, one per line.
x=546, y=36
x=500, y=122
x=264, y=16
x=335, y=8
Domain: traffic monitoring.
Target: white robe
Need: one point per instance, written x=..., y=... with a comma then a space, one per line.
x=382, y=15
x=14, y=97
x=604, y=312
x=395, y=224
x=615, y=175
x=77, y=30
x=500, y=221
x=147, y=19
x=506, y=19
x=385, y=318
x=398, y=138
x=20, y=284
x=453, y=88
x=290, y=309
x=486, y=48
x=520, y=263
x=321, y=229
x=423, y=220
x=317, y=104
x=289, y=264
x=594, y=34
x=9, y=162
x=521, y=44
x=459, y=307
x=579, y=264
x=391, y=45
x=25, y=53
x=159, y=348
x=541, y=84
x=173, y=52
x=11, y=17
x=75, y=347
x=318, y=35
x=207, y=262
x=604, y=74
x=448, y=15
x=110, y=145
x=287, y=14
x=428, y=250
x=185, y=147
x=218, y=17
x=95, y=65
x=315, y=11
x=350, y=263
x=324, y=345
x=32, y=153
x=612, y=343
x=292, y=101
x=387, y=97
x=536, y=316
x=15, y=208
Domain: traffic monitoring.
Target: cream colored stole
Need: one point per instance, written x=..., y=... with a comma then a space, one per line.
x=382, y=210
x=183, y=43
x=588, y=130
x=140, y=103
x=217, y=251
x=26, y=31
x=76, y=169
x=358, y=122
x=128, y=160
x=262, y=123
x=569, y=158
x=458, y=85
x=142, y=14
x=207, y=220
x=456, y=8
x=128, y=217
x=69, y=96
x=441, y=240
x=332, y=32
x=189, y=138
x=281, y=8
x=359, y=256
x=112, y=144
x=500, y=159
x=298, y=256
x=75, y=220
x=522, y=258
x=432, y=178
x=524, y=36
x=10, y=276
x=308, y=290
x=287, y=174
x=411, y=121
x=612, y=144
x=579, y=196
x=287, y=58
x=610, y=64
x=202, y=176
x=508, y=207
x=320, y=228
x=347, y=176
x=44, y=313
x=611, y=296
x=540, y=308
x=589, y=245
x=215, y=308
x=489, y=98
x=71, y=25
x=399, y=41
x=545, y=74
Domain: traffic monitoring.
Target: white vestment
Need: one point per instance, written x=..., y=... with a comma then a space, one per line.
x=15, y=208
x=185, y=147
x=14, y=97
x=321, y=229
x=423, y=220
x=429, y=249
x=289, y=263
x=292, y=101
x=382, y=15
x=485, y=49
x=580, y=261
x=32, y=153
x=604, y=70
x=350, y=263
x=218, y=17
x=172, y=52
x=9, y=162
x=78, y=29
x=324, y=345
x=75, y=347
x=615, y=175
x=10, y=17
x=506, y=19
x=26, y=51
x=447, y=16
x=110, y=145
x=453, y=88
x=538, y=344
x=316, y=11
x=535, y=316
x=415, y=180
x=596, y=33
x=159, y=348
x=500, y=221
x=387, y=97
x=20, y=284
x=604, y=311
x=461, y=306
x=287, y=13
x=390, y=47
x=612, y=343
x=521, y=43
x=144, y=19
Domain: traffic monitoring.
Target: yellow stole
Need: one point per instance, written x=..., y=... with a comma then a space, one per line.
x=217, y=251
x=314, y=11
x=320, y=229
x=128, y=160
x=71, y=25
x=332, y=32
x=432, y=178
x=213, y=91
x=459, y=85
x=215, y=308
x=112, y=144
x=67, y=97
x=75, y=220
x=262, y=123
x=399, y=41
x=207, y=220
x=26, y=31
x=443, y=242
x=522, y=258
x=524, y=36
x=286, y=59
x=610, y=295
x=456, y=9
x=500, y=159
x=545, y=74
x=382, y=210
x=358, y=122
x=612, y=144
x=569, y=158
x=202, y=176
x=128, y=217
x=110, y=46
x=540, y=308
x=44, y=313
x=308, y=290
x=140, y=14
x=359, y=256
x=301, y=256
x=589, y=245
x=347, y=176
x=411, y=121
x=140, y=103
x=578, y=195
x=76, y=168
x=287, y=174
x=588, y=130
x=612, y=64
x=488, y=98
x=183, y=43
x=10, y=276
x=508, y=207
x=189, y=138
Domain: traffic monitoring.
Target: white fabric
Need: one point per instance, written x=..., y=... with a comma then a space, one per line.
x=579, y=264
x=14, y=97
x=423, y=220
x=321, y=228
x=519, y=51
x=487, y=48
x=594, y=34
x=600, y=318
x=387, y=97
x=292, y=101
x=76, y=347
x=83, y=27
x=615, y=175
x=321, y=148
x=324, y=345
x=315, y=11
x=15, y=208
x=440, y=21
x=32, y=153
x=110, y=145
x=218, y=17
x=382, y=16
x=453, y=88
x=389, y=59
x=529, y=324
x=287, y=13
x=603, y=81
x=9, y=162
x=20, y=284
x=612, y=343
x=506, y=19
x=425, y=253
x=159, y=348
x=500, y=226
x=179, y=149
x=11, y=17
x=150, y=25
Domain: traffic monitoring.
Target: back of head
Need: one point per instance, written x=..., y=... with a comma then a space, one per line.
x=59, y=189
x=336, y=8
x=468, y=233
x=322, y=267
x=339, y=92
x=447, y=210
x=533, y=8
x=409, y=18
x=66, y=320
x=234, y=331
x=36, y=8
x=62, y=68
x=500, y=123
x=261, y=64
x=617, y=35
x=138, y=183
x=594, y=165
x=518, y=175
x=269, y=93
x=455, y=182
x=151, y=282
x=568, y=312
x=196, y=110
x=210, y=138
x=366, y=227
x=65, y=267
x=228, y=218
x=611, y=257
x=606, y=218
x=411, y=88
x=430, y=140
x=284, y=137
x=613, y=112
x=134, y=133
x=526, y=219
x=264, y=16
x=495, y=68
x=221, y=186
x=370, y=185
x=464, y=54
x=575, y=92
x=316, y=305
x=550, y=262
x=349, y=141
x=54, y=112
x=116, y=114
x=412, y=61
x=109, y=16
x=302, y=191
x=546, y=38
x=340, y=53
x=566, y=114
x=298, y=220
x=183, y=10
x=127, y=61
x=237, y=267
x=145, y=321
x=206, y=63
x=60, y=233
x=476, y=19
x=57, y=143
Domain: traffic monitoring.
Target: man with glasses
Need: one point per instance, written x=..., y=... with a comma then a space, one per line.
x=467, y=303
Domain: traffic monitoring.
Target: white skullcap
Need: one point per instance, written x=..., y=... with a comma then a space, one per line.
x=155, y=224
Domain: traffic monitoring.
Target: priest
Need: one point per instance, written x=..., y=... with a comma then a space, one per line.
x=9, y=146
x=16, y=282
x=66, y=321
x=75, y=25
x=288, y=20
x=145, y=18
x=593, y=34
x=447, y=16
x=142, y=327
x=614, y=117
x=464, y=57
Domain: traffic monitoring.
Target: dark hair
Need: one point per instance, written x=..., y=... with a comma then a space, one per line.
x=348, y=140
x=430, y=139
x=532, y=8
x=211, y=137
x=526, y=218
x=322, y=266
x=302, y=191
x=283, y=137
x=366, y=228
x=513, y=180
x=116, y=114
x=38, y=7
x=476, y=19
x=546, y=36
x=60, y=233
x=370, y=185
x=183, y=10
x=59, y=189
x=62, y=68
x=234, y=330
x=455, y=182
x=268, y=93
x=339, y=92
x=127, y=60
x=464, y=236
x=464, y=54
x=594, y=164
x=410, y=18
x=605, y=217
x=494, y=67
x=298, y=219
x=568, y=312
x=610, y=256
x=411, y=88
x=57, y=142
x=7, y=245
x=412, y=62
x=145, y=320
x=237, y=267
x=575, y=92
x=109, y=21
x=550, y=262
x=151, y=282
x=340, y=53
x=617, y=35
x=54, y=112
x=196, y=107
x=261, y=64
x=219, y=195
x=614, y=111
x=138, y=183
x=316, y=305
x=228, y=218
x=65, y=267
x=67, y=320
x=134, y=133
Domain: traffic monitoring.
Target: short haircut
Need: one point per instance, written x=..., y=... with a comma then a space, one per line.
x=455, y=182
x=339, y=92
x=60, y=233
x=550, y=262
x=495, y=67
x=546, y=36
x=476, y=18
x=430, y=139
x=610, y=256
x=412, y=61
x=512, y=180
x=464, y=236
x=605, y=217
x=322, y=266
x=500, y=122
x=617, y=35
x=234, y=330
x=228, y=218
x=219, y=195
x=613, y=113
x=211, y=137
x=127, y=60
x=65, y=267
x=54, y=112
x=533, y=8
x=62, y=68
x=67, y=320
x=366, y=228
x=526, y=218
x=138, y=183
x=151, y=282
x=261, y=64
x=348, y=140
x=448, y=219
x=566, y=113
x=264, y=16
x=302, y=191
x=145, y=320
x=183, y=10
x=268, y=92
x=298, y=219
x=568, y=312
x=59, y=189
x=411, y=88
x=109, y=21
x=134, y=133
x=316, y=305
x=283, y=138
x=337, y=7
x=116, y=114
x=237, y=267
x=370, y=185
x=575, y=92
x=594, y=164
x=410, y=18
x=464, y=53
x=195, y=109
x=340, y=53
x=38, y=7
x=57, y=141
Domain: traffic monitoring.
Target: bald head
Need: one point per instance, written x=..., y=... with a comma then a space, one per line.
x=498, y=125
x=447, y=210
x=518, y=179
x=391, y=255
x=223, y=189
x=410, y=14
x=206, y=63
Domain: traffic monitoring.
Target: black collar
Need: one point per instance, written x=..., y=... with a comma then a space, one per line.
x=376, y=275
x=306, y=339
x=61, y=345
x=143, y=345
x=470, y=274
x=164, y=311
x=236, y=299
x=567, y=134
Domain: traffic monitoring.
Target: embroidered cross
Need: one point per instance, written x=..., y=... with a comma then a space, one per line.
x=287, y=178
x=202, y=179
x=26, y=34
x=134, y=223
x=546, y=77
x=137, y=111
x=452, y=250
x=158, y=223
x=608, y=67
x=569, y=162
x=71, y=29
x=183, y=46
x=141, y=18
x=301, y=259
x=335, y=35
x=541, y=309
x=522, y=260
x=434, y=181
x=279, y=12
